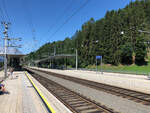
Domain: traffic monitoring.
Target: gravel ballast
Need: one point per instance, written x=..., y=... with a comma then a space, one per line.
x=117, y=103
x=134, y=82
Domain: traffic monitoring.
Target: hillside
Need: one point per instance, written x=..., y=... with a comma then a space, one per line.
x=116, y=37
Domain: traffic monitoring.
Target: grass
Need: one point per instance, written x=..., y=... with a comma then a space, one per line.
x=133, y=69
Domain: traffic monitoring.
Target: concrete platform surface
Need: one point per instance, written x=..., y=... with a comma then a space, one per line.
x=134, y=82
x=22, y=97
x=52, y=100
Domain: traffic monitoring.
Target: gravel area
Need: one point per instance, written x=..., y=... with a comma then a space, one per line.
x=117, y=103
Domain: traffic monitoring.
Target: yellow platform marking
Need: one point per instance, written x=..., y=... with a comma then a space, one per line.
x=44, y=99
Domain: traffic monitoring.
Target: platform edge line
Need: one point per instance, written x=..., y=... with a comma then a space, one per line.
x=40, y=94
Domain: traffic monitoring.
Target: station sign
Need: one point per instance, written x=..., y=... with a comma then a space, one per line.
x=98, y=57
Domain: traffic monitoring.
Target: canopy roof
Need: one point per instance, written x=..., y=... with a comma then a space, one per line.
x=11, y=52
x=55, y=57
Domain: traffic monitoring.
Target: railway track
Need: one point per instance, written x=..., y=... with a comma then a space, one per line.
x=74, y=101
x=135, y=96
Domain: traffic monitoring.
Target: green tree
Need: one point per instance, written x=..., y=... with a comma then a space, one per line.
x=103, y=37
x=140, y=50
x=126, y=53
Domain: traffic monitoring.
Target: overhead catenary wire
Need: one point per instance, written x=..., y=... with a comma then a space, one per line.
x=29, y=20
x=60, y=17
x=2, y=14
x=5, y=10
x=3, y=18
x=69, y=18
x=7, y=18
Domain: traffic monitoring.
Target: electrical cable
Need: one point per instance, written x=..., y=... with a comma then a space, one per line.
x=5, y=10
x=29, y=20
x=69, y=18
x=8, y=19
x=2, y=14
x=60, y=17
x=2, y=19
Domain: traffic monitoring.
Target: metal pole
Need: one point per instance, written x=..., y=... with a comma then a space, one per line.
x=96, y=65
x=5, y=58
x=101, y=67
x=76, y=59
x=50, y=64
x=5, y=48
x=54, y=50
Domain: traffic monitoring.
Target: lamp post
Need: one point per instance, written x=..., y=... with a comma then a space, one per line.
x=76, y=59
x=95, y=41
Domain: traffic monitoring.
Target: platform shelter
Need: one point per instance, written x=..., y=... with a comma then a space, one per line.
x=14, y=56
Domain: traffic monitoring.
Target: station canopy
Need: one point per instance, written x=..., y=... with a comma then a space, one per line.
x=59, y=56
x=11, y=52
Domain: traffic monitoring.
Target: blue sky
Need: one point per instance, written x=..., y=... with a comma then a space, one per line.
x=36, y=21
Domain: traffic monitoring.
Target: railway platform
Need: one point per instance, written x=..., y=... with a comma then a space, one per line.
x=139, y=83
x=24, y=98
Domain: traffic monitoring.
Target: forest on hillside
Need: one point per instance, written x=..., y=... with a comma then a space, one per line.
x=117, y=37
